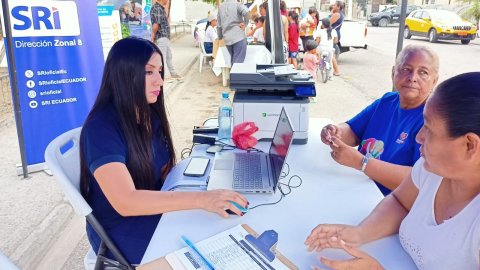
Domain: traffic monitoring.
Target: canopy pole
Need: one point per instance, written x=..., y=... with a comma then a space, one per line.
x=401, y=29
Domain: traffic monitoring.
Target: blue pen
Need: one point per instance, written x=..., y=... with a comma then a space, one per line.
x=190, y=244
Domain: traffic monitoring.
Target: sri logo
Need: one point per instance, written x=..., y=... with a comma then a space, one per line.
x=264, y=115
x=42, y=19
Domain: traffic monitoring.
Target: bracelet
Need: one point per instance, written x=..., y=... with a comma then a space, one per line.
x=364, y=163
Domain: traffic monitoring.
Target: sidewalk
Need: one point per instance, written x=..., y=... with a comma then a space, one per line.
x=38, y=228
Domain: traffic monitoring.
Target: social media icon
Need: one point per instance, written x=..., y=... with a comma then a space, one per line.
x=29, y=74
x=30, y=84
x=33, y=104
x=32, y=94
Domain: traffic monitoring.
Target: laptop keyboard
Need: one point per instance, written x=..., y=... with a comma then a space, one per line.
x=247, y=172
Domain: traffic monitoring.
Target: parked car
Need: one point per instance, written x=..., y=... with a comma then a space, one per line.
x=439, y=24
x=389, y=15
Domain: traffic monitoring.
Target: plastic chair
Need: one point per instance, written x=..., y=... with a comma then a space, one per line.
x=203, y=53
x=66, y=169
x=6, y=263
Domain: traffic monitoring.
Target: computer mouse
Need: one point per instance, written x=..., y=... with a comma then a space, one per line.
x=230, y=212
x=239, y=207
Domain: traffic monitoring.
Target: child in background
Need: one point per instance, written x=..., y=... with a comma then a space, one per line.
x=258, y=35
x=311, y=57
x=251, y=27
x=293, y=30
x=326, y=37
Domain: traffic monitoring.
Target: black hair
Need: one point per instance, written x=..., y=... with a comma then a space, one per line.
x=208, y=24
x=260, y=19
x=283, y=6
x=326, y=24
x=340, y=4
x=264, y=5
x=295, y=18
x=457, y=101
x=123, y=86
x=312, y=10
x=310, y=45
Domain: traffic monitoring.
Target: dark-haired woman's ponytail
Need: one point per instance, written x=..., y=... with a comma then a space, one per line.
x=328, y=26
x=208, y=24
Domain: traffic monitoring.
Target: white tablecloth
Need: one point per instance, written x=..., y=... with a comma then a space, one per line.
x=330, y=193
x=255, y=54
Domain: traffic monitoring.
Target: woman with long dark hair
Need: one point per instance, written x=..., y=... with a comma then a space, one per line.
x=126, y=152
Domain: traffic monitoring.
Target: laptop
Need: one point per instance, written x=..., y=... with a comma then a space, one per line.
x=254, y=172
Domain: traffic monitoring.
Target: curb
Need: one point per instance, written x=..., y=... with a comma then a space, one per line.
x=35, y=245
x=184, y=72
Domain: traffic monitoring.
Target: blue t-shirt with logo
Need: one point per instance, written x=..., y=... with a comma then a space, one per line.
x=387, y=132
x=104, y=142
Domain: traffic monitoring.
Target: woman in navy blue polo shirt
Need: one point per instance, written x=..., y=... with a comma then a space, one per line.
x=385, y=131
x=126, y=152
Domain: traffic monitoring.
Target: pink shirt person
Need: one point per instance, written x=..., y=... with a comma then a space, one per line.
x=310, y=62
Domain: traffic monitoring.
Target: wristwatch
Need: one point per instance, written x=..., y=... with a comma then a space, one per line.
x=364, y=163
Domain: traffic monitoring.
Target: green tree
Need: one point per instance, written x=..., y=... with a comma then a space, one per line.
x=469, y=10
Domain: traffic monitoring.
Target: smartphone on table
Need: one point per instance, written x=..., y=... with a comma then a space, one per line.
x=197, y=166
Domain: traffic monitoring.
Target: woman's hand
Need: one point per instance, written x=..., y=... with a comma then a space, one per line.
x=361, y=261
x=217, y=200
x=345, y=154
x=328, y=131
x=329, y=235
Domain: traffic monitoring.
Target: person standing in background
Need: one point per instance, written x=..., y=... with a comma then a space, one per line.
x=284, y=29
x=336, y=20
x=293, y=38
x=308, y=25
x=167, y=10
x=283, y=9
x=258, y=35
x=208, y=15
x=252, y=26
x=359, y=11
x=233, y=18
x=161, y=35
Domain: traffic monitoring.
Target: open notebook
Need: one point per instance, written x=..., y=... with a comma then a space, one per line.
x=225, y=251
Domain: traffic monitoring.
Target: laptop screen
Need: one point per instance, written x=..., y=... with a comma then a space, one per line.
x=282, y=139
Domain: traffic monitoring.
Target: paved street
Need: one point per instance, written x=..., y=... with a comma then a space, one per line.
x=371, y=68
x=365, y=76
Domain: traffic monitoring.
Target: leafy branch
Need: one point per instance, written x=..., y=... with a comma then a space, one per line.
x=469, y=10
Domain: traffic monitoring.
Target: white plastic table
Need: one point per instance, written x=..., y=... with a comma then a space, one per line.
x=223, y=62
x=330, y=193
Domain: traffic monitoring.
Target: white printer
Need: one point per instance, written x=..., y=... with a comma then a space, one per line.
x=262, y=90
